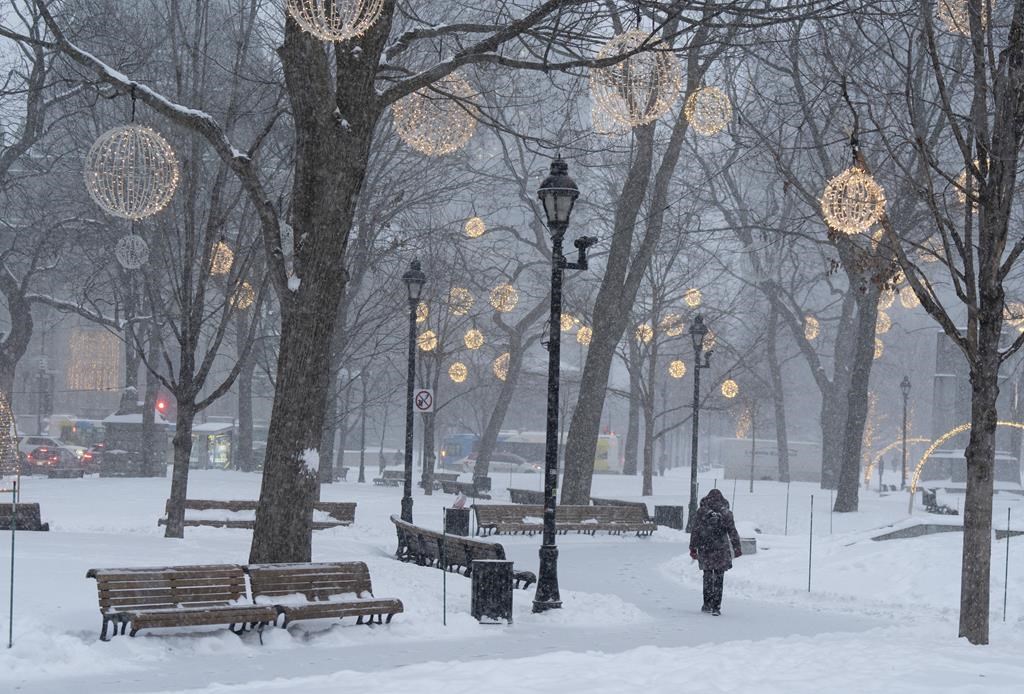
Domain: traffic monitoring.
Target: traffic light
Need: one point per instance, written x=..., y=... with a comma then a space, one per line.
x=161, y=406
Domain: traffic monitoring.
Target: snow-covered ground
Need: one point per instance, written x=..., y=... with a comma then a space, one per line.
x=880, y=616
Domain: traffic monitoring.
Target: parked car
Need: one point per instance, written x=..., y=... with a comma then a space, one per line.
x=45, y=458
x=26, y=444
x=500, y=462
x=92, y=457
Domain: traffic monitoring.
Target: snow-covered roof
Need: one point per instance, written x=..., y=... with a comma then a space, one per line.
x=133, y=418
x=212, y=427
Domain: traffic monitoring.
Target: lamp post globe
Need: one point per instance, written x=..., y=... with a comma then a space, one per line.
x=557, y=194
x=414, y=279
x=698, y=331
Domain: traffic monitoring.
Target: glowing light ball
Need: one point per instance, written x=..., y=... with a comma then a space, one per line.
x=852, y=201
x=640, y=88
x=131, y=172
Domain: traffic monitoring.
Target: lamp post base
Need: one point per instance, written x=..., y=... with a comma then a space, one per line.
x=547, y=597
x=407, y=509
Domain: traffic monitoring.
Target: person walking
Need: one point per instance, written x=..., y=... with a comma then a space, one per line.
x=713, y=543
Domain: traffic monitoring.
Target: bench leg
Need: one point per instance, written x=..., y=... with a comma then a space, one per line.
x=389, y=618
x=103, y=631
x=124, y=625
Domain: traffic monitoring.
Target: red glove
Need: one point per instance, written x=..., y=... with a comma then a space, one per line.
x=693, y=553
x=739, y=553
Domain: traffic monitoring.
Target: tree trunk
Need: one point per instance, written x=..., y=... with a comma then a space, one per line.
x=976, y=565
x=857, y=402
x=151, y=463
x=243, y=446
x=334, y=123
x=179, y=472
x=283, y=531
x=778, y=393
x=489, y=438
x=648, y=409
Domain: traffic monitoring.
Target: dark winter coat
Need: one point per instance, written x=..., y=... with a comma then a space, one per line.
x=714, y=534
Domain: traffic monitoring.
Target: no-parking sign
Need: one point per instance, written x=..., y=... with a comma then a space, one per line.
x=423, y=400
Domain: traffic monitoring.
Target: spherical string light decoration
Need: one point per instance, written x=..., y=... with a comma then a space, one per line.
x=427, y=341
x=435, y=120
x=460, y=300
x=500, y=367
x=883, y=323
x=672, y=325
x=730, y=388
x=221, y=259
x=603, y=124
x=243, y=297
x=744, y=423
x=709, y=341
x=967, y=189
x=473, y=339
x=474, y=227
x=335, y=20
x=131, y=172
x=504, y=298
x=1013, y=313
x=644, y=333
x=640, y=88
x=852, y=201
x=422, y=312
x=879, y=348
x=955, y=15
x=693, y=297
x=458, y=372
x=708, y=110
x=567, y=322
x=886, y=298
x=584, y=335
x=908, y=297
x=677, y=368
x=131, y=251
x=812, y=328
x=931, y=250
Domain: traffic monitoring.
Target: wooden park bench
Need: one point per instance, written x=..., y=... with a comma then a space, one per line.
x=26, y=517
x=341, y=513
x=177, y=596
x=932, y=505
x=439, y=478
x=320, y=591
x=477, y=489
x=450, y=552
x=390, y=478
x=526, y=496
x=529, y=519
x=341, y=473
x=619, y=502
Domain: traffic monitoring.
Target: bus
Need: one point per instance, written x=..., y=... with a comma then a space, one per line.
x=528, y=445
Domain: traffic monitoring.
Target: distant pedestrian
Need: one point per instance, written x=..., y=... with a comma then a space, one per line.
x=662, y=463
x=713, y=543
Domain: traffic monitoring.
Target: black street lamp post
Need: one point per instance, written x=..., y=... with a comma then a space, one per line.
x=905, y=387
x=558, y=194
x=362, y=430
x=414, y=280
x=697, y=333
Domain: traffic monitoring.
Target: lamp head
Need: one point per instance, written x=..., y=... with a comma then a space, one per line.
x=414, y=280
x=905, y=386
x=558, y=194
x=697, y=333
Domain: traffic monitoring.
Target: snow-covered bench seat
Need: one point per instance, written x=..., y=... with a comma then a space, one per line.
x=320, y=591
x=176, y=596
x=242, y=514
x=529, y=519
x=390, y=478
x=450, y=552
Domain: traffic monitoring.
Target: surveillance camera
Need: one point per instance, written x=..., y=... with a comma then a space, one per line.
x=585, y=242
